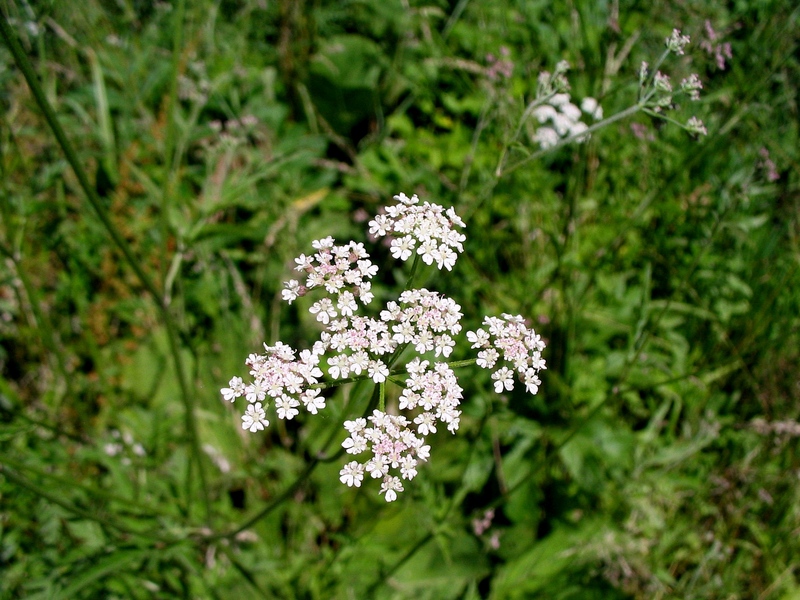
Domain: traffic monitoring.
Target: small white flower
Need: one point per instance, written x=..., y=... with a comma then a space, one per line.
x=402, y=247
x=695, y=125
x=426, y=251
x=443, y=344
x=367, y=269
x=503, y=379
x=324, y=310
x=532, y=381
x=544, y=113
x=378, y=371
x=255, y=418
x=230, y=394
x=426, y=423
x=676, y=42
x=487, y=358
x=376, y=467
x=423, y=452
x=546, y=137
x=356, y=426
x=562, y=124
x=390, y=487
x=590, y=106
x=347, y=303
x=313, y=401
x=408, y=468
x=254, y=392
x=304, y=263
x=478, y=339
x=323, y=244
x=572, y=112
x=292, y=291
x=577, y=129
x=446, y=258
x=286, y=407
x=355, y=444
x=352, y=474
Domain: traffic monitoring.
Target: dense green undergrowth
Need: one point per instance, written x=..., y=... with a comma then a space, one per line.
x=659, y=459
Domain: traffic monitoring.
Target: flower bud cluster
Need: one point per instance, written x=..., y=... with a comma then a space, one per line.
x=719, y=50
x=519, y=346
x=676, y=42
x=695, y=125
x=692, y=86
x=657, y=92
x=553, y=83
x=426, y=229
x=499, y=67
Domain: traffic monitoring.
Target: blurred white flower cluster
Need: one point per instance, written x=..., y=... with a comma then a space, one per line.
x=553, y=109
x=560, y=119
x=355, y=347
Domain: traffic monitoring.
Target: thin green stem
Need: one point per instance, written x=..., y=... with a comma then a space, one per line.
x=411, y=275
x=283, y=496
x=501, y=162
x=246, y=573
x=170, y=158
x=663, y=117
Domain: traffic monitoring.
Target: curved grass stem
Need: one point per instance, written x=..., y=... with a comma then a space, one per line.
x=21, y=59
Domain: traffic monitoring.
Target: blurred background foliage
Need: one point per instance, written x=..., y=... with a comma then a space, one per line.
x=660, y=458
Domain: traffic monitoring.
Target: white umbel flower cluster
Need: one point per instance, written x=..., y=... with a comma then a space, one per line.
x=509, y=339
x=278, y=375
x=393, y=446
x=426, y=229
x=436, y=392
x=424, y=319
x=332, y=267
x=352, y=347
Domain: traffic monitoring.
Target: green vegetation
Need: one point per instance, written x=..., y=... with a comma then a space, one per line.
x=206, y=144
